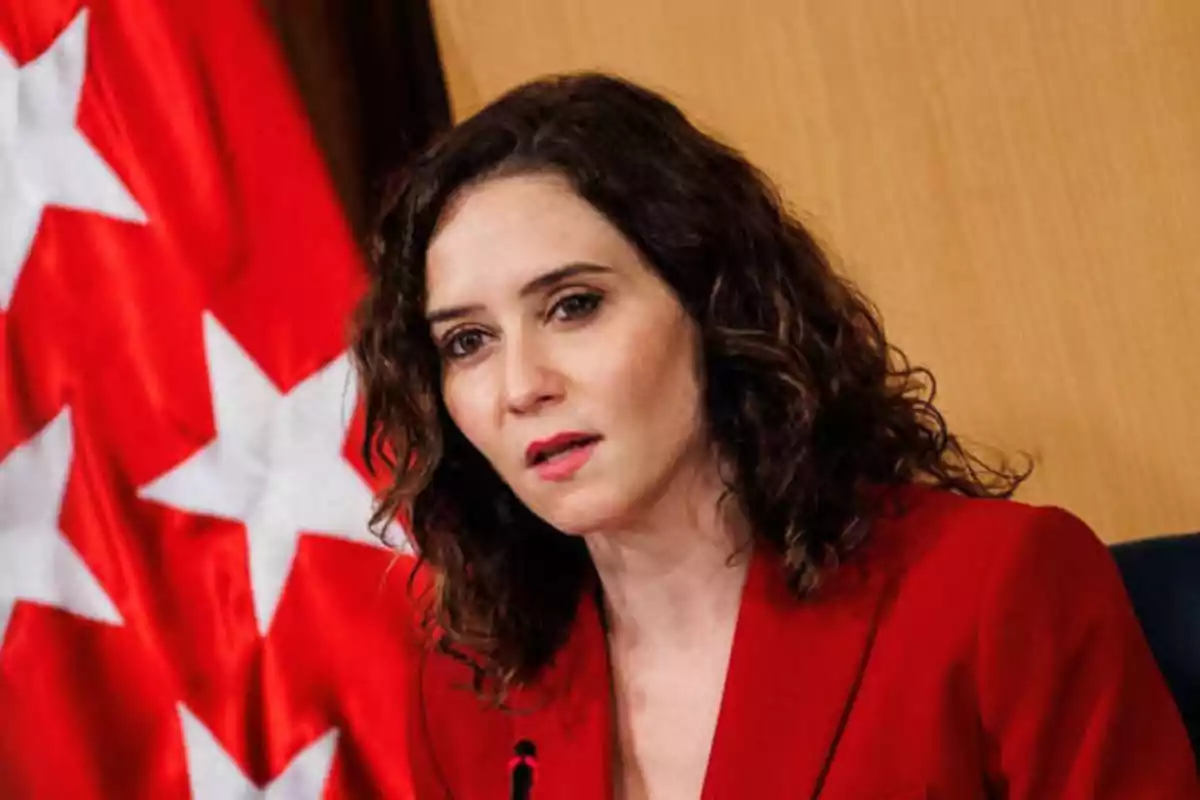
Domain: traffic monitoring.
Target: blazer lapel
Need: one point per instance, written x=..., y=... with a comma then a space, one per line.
x=793, y=674
x=567, y=715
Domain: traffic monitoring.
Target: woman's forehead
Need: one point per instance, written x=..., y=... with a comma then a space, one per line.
x=505, y=232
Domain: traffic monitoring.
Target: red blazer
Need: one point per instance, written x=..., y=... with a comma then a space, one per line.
x=969, y=649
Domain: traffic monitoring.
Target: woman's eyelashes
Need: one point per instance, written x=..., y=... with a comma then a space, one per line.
x=464, y=342
x=575, y=306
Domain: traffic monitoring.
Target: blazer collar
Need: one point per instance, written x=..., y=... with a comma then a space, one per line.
x=794, y=671
x=793, y=676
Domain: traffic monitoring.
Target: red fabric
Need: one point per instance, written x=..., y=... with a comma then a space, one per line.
x=190, y=105
x=1001, y=655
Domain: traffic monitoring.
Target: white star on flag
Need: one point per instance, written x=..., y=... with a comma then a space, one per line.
x=276, y=464
x=37, y=563
x=213, y=775
x=44, y=157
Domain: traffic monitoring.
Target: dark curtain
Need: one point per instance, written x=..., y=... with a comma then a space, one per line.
x=371, y=78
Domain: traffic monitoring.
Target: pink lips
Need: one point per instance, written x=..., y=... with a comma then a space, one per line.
x=561, y=456
x=563, y=466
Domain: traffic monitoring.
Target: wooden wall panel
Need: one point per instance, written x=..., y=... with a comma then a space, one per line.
x=1017, y=185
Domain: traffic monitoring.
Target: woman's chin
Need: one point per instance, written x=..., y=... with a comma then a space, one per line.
x=581, y=516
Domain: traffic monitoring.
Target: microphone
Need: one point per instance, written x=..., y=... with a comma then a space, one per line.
x=521, y=769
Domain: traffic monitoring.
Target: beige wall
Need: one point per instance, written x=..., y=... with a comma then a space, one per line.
x=1016, y=184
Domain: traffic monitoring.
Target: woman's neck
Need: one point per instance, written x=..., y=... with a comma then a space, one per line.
x=668, y=580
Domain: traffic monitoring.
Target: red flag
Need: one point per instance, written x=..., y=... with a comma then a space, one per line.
x=190, y=602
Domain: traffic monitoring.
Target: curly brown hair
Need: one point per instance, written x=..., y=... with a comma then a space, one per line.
x=811, y=406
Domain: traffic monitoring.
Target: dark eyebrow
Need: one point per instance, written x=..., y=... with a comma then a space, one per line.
x=539, y=284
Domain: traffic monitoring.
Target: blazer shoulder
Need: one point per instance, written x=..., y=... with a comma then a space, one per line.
x=962, y=545
x=935, y=521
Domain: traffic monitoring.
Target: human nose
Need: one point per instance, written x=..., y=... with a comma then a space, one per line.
x=530, y=380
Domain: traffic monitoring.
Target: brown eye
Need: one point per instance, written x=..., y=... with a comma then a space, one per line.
x=463, y=344
x=576, y=306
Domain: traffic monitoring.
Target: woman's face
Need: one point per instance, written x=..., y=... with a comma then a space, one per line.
x=567, y=362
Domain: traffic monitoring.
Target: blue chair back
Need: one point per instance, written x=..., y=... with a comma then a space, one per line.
x=1162, y=577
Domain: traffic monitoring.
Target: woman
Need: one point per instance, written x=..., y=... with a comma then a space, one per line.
x=686, y=522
